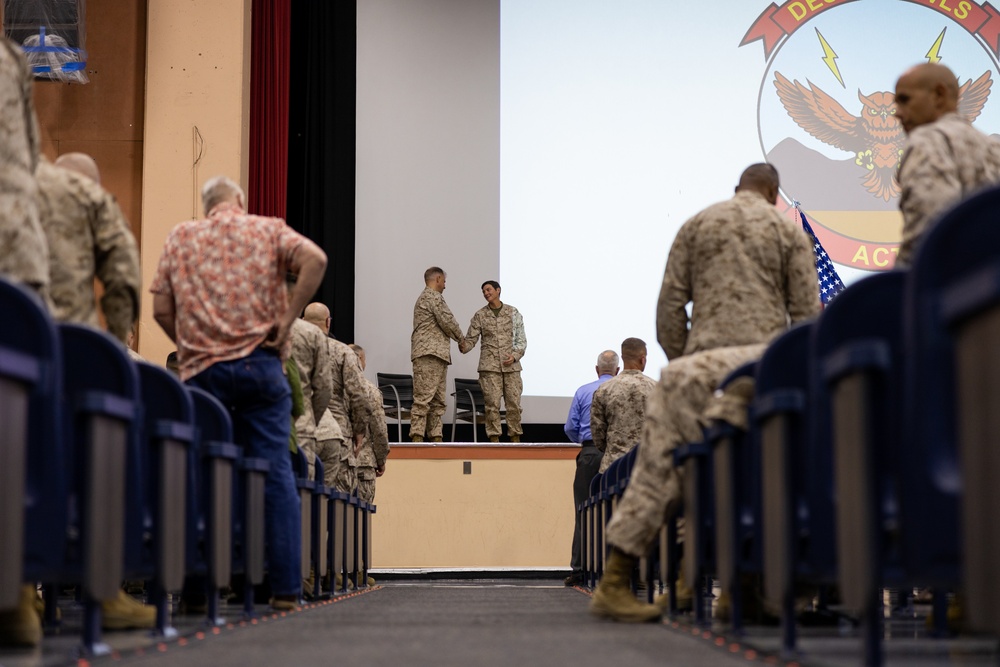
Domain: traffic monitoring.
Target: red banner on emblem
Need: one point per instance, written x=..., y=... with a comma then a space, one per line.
x=775, y=23
x=980, y=20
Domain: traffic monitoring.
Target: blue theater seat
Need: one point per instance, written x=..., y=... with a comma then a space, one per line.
x=858, y=352
x=796, y=480
x=695, y=460
x=168, y=429
x=211, y=470
x=101, y=392
x=32, y=480
x=736, y=467
x=952, y=380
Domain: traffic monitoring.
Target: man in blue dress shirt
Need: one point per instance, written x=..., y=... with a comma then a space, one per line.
x=588, y=461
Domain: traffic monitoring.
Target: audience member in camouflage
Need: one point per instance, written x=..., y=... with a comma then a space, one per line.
x=348, y=405
x=945, y=159
x=88, y=238
x=754, y=274
x=24, y=254
x=430, y=352
x=504, y=343
x=311, y=354
x=369, y=463
x=619, y=405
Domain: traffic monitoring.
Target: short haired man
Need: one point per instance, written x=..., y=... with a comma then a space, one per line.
x=502, y=329
x=348, y=405
x=369, y=461
x=220, y=295
x=749, y=273
x=88, y=238
x=312, y=355
x=945, y=159
x=619, y=405
x=588, y=460
x=430, y=352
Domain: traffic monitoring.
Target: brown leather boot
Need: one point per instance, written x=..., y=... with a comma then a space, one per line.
x=613, y=597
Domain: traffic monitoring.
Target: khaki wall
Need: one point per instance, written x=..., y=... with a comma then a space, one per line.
x=509, y=513
x=197, y=83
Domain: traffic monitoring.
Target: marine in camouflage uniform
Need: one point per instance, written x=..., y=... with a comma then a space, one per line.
x=24, y=254
x=88, y=237
x=312, y=355
x=370, y=461
x=430, y=353
x=945, y=159
x=618, y=408
x=749, y=273
x=348, y=405
x=504, y=343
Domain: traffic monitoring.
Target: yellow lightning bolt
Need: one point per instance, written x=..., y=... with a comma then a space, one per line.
x=933, y=55
x=829, y=57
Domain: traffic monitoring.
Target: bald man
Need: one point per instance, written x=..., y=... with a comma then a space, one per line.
x=749, y=273
x=336, y=435
x=945, y=159
x=88, y=238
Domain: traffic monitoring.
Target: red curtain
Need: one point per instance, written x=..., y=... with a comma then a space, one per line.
x=270, y=72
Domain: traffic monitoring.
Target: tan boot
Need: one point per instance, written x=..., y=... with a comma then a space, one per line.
x=126, y=613
x=416, y=438
x=515, y=439
x=614, y=598
x=436, y=438
x=494, y=438
x=685, y=596
x=20, y=626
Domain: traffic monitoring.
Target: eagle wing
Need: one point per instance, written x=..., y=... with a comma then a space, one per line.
x=972, y=96
x=820, y=115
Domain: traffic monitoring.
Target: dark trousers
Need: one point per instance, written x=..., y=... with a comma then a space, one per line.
x=588, y=462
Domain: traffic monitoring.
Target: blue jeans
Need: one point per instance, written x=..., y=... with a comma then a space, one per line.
x=255, y=391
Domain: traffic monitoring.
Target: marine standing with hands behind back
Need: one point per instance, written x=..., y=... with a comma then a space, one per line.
x=430, y=351
x=504, y=343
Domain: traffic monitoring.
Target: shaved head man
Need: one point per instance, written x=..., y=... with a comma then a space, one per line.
x=945, y=159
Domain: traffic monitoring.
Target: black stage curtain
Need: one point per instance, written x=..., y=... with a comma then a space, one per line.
x=321, y=146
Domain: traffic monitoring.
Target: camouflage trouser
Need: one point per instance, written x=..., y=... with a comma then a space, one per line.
x=366, y=483
x=330, y=453
x=430, y=374
x=674, y=415
x=507, y=386
x=345, y=480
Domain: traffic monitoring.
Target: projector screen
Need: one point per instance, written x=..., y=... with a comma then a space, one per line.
x=558, y=145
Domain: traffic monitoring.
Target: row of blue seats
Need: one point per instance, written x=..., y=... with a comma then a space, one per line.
x=114, y=470
x=870, y=460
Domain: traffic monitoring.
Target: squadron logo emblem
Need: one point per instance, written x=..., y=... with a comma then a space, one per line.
x=826, y=111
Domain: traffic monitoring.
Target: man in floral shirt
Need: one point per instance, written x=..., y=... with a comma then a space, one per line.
x=219, y=293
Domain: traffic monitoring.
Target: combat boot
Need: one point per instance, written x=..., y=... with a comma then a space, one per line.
x=494, y=438
x=613, y=597
x=20, y=626
x=685, y=596
x=126, y=613
x=515, y=439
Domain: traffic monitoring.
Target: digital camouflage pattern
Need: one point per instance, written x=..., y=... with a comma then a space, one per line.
x=348, y=400
x=616, y=413
x=430, y=375
x=311, y=354
x=748, y=270
x=24, y=254
x=88, y=237
x=751, y=274
x=433, y=327
x=502, y=334
x=374, y=449
x=509, y=387
x=944, y=162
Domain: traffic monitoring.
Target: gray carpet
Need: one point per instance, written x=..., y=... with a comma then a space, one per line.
x=444, y=624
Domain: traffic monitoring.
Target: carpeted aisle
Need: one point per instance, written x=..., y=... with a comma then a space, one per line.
x=481, y=624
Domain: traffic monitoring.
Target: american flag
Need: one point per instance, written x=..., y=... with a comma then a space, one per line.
x=830, y=284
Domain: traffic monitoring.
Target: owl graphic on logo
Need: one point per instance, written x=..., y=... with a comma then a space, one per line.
x=874, y=136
